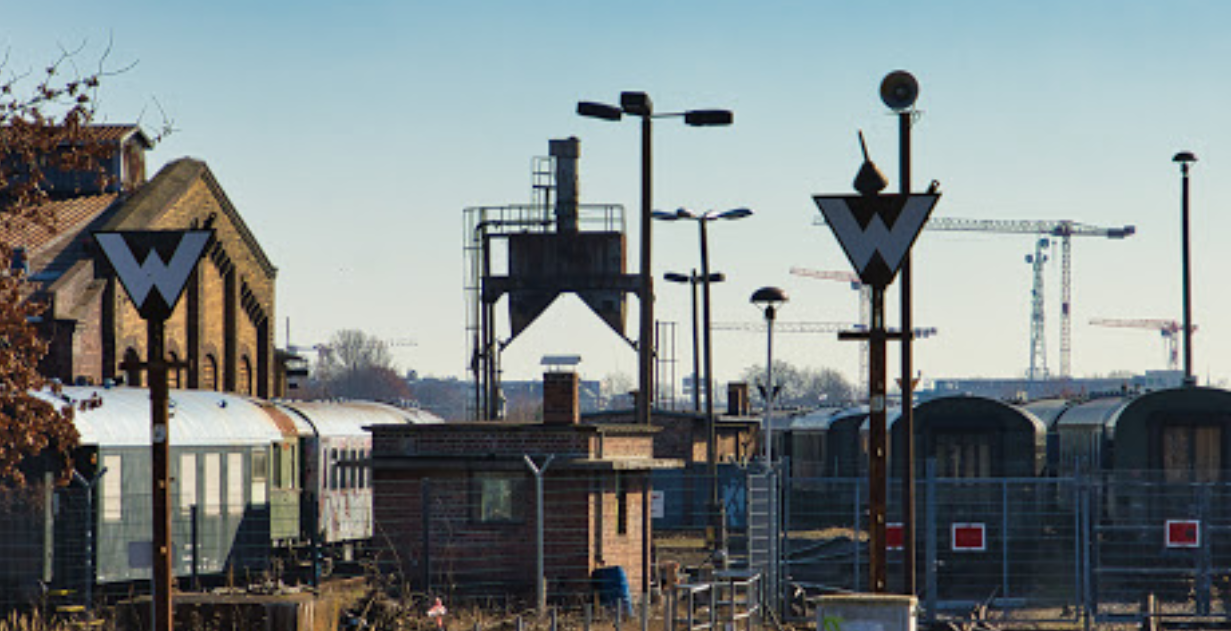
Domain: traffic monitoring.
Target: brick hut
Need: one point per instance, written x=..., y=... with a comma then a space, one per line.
x=455, y=504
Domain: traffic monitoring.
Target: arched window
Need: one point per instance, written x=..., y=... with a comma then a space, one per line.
x=209, y=373
x=173, y=372
x=244, y=382
x=130, y=365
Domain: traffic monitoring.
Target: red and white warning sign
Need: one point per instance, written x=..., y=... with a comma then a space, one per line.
x=968, y=537
x=895, y=536
x=1183, y=533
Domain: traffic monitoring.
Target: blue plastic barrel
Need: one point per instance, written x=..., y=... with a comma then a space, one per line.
x=612, y=586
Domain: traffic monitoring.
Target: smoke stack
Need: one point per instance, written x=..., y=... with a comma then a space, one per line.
x=560, y=399
x=737, y=399
x=566, y=152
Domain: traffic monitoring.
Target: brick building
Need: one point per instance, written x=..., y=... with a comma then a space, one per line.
x=456, y=502
x=222, y=329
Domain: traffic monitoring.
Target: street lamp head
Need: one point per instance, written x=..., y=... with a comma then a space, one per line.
x=709, y=118
x=669, y=216
x=1184, y=157
x=599, y=110
x=768, y=299
x=677, y=278
x=636, y=103
x=734, y=213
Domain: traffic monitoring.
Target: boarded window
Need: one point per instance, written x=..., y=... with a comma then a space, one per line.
x=244, y=379
x=961, y=455
x=213, y=484
x=173, y=372
x=113, y=488
x=260, y=475
x=1192, y=453
x=209, y=373
x=235, y=484
x=188, y=481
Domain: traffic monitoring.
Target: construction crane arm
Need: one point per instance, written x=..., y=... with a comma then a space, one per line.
x=1028, y=226
x=1159, y=324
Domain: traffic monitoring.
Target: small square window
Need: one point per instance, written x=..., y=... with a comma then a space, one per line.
x=497, y=497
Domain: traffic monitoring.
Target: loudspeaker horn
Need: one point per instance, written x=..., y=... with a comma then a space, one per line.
x=899, y=90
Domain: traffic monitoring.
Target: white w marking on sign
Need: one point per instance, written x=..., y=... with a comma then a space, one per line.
x=153, y=273
x=891, y=243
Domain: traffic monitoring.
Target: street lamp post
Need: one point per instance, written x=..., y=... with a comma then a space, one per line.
x=1184, y=158
x=694, y=279
x=639, y=104
x=769, y=299
x=717, y=518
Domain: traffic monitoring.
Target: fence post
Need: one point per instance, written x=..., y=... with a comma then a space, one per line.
x=669, y=609
x=1004, y=537
x=856, y=530
x=540, y=578
x=194, y=535
x=930, y=513
x=1204, y=562
x=1087, y=539
x=425, y=499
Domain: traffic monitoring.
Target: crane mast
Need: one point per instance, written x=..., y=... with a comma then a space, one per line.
x=1061, y=230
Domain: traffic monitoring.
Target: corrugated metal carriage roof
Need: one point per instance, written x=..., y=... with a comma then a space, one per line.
x=350, y=418
x=197, y=417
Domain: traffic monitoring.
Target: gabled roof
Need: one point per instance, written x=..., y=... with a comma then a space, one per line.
x=172, y=183
x=120, y=133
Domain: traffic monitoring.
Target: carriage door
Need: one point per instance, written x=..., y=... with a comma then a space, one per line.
x=1192, y=453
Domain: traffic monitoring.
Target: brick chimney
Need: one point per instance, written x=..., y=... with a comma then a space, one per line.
x=560, y=399
x=737, y=399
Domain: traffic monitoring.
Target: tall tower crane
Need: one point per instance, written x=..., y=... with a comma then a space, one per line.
x=1038, y=319
x=1063, y=231
x=1170, y=330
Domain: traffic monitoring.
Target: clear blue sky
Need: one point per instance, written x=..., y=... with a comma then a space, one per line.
x=351, y=135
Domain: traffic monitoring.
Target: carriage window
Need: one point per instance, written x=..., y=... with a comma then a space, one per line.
x=963, y=455
x=333, y=469
x=1192, y=453
x=188, y=481
x=113, y=488
x=260, y=475
x=235, y=484
x=276, y=470
x=213, y=484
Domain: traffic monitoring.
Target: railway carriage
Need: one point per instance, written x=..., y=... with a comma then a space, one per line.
x=249, y=478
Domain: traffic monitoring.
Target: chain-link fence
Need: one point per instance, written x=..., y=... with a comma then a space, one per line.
x=1043, y=549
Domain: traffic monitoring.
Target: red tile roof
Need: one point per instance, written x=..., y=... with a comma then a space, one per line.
x=67, y=216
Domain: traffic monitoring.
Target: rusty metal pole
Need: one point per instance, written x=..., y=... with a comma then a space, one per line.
x=1184, y=159
x=645, y=350
x=907, y=457
x=876, y=443
x=717, y=517
x=161, y=485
